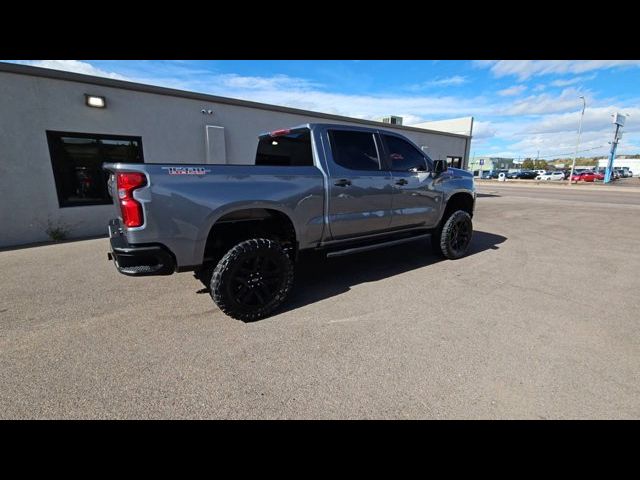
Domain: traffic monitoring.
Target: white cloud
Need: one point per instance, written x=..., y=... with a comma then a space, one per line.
x=595, y=119
x=364, y=106
x=74, y=66
x=233, y=80
x=445, y=82
x=483, y=130
x=560, y=144
x=546, y=103
x=571, y=81
x=440, y=82
x=524, y=69
x=298, y=93
x=512, y=91
x=556, y=134
x=410, y=119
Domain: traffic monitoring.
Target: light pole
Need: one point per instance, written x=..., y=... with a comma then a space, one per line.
x=618, y=120
x=573, y=165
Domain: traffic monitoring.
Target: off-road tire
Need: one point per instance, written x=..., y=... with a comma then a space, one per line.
x=230, y=278
x=442, y=241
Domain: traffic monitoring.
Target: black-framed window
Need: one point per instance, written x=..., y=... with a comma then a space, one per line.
x=455, y=162
x=290, y=150
x=403, y=156
x=77, y=160
x=354, y=150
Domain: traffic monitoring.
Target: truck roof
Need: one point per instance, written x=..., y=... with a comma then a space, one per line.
x=312, y=125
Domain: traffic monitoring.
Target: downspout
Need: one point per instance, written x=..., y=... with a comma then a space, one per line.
x=467, y=153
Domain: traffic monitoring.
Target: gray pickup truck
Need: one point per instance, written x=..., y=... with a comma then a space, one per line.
x=336, y=188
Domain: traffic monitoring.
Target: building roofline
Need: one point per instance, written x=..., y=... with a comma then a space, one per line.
x=141, y=87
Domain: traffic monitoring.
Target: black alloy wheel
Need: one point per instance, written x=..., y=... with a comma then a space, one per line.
x=452, y=240
x=460, y=235
x=252, y=279
x=256, y=280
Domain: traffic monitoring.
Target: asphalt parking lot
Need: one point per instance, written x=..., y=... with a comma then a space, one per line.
x=539, y=321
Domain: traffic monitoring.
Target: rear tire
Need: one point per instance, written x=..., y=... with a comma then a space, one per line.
x=452, y=239
x=252, y=279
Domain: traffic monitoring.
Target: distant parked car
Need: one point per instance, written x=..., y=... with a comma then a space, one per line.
x=496, y=173
x=527, y=175
x=601, y=172
x=551, y=176
x=586, y=176
x=615, y=174
x=523, y=175
x=625, y=172
x=540, y=172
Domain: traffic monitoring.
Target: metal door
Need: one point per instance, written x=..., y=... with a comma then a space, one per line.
x=359, y=189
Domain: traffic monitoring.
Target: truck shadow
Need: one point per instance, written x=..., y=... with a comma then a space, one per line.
x=319, y=278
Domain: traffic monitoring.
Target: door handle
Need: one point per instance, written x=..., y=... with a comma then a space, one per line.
x=342, y=183
x=402, y=181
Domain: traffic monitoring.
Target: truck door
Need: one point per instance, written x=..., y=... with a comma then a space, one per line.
x=414, y=201
x=359, y=188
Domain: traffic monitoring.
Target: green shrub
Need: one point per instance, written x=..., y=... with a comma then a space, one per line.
x=57, y=231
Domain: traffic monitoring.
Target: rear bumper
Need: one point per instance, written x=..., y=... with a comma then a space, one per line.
x=140, y=259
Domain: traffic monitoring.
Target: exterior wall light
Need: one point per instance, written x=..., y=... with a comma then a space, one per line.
x=95, y=101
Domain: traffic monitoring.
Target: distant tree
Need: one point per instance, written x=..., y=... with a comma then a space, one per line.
x=528, y=164
x=585, y=161
x=540, y=165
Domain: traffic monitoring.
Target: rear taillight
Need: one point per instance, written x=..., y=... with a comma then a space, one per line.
x=131, y=209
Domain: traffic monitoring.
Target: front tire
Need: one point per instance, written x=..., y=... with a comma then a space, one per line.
x=453, y=238
x=252, y=279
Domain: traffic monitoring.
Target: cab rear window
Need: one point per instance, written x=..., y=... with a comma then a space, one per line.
x=292, y=149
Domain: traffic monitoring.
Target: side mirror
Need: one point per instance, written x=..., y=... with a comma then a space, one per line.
x=439, y=166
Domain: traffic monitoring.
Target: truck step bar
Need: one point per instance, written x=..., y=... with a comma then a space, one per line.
x=366, y=248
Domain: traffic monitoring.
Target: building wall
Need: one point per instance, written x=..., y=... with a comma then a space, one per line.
x=632, y=164
x=172, y=130
x=490, y=163
x=462, y=126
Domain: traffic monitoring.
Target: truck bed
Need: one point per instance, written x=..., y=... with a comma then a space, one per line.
x=182, y=201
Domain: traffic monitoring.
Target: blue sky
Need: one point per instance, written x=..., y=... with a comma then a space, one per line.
x=520, y=107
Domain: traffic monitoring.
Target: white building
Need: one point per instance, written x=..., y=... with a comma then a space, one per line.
x=488, y=164
x=632, y=164
x=53, y=142
x=458, y=126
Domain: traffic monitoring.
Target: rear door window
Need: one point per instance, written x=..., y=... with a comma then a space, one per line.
x=354, y=150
